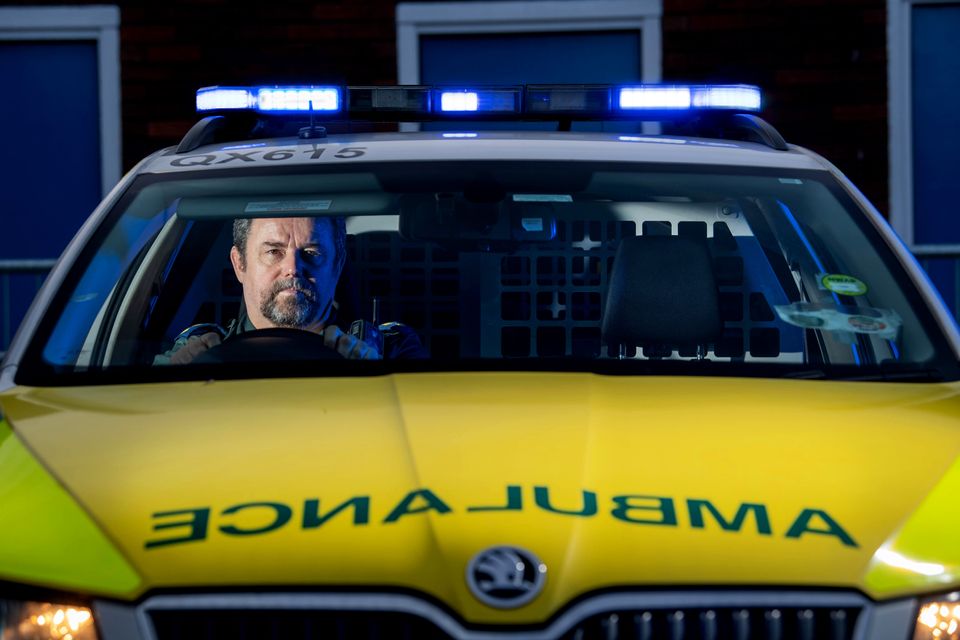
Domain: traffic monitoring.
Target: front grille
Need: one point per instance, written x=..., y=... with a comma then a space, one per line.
x=679, y=615
x=281, y=624
x=735, y=623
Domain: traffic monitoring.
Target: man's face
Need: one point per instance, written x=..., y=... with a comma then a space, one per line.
x=289, y=273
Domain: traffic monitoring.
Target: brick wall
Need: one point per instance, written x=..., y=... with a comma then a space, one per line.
x=822, y=65
x=172, y=48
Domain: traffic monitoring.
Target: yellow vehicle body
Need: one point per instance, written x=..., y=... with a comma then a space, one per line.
x=397, y=481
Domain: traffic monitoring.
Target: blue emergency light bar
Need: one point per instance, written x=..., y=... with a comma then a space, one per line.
x=530, y=102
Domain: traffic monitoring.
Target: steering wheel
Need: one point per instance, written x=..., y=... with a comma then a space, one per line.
x=265, y=345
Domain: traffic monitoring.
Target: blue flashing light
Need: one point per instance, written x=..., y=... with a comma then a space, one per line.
x=652, y=97
x=294, y=99
x=495, y=100
x=459, y=101
x=269, y=99
x=217, y=98
x=734, y=97
x=685, y=97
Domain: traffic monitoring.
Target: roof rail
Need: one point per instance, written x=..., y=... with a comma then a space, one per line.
x=758, y=130
x=204, y=132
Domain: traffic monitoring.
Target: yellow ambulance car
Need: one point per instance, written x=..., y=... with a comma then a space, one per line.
x=476, y=383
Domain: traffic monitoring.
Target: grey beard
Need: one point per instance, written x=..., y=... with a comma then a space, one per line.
x=295, y=311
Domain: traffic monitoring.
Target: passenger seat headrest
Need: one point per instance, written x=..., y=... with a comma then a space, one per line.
x=662, y=291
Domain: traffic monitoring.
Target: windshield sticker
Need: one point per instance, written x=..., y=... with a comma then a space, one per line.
x=884, y=323
x=281, y=206
x=198, y=524
x=842, y=284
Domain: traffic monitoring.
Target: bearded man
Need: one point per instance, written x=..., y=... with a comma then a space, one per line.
x=289, y=269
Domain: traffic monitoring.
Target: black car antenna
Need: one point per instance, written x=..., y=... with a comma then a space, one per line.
x=313, y=131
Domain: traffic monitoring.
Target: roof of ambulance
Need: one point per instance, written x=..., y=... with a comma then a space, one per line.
x=480, y=145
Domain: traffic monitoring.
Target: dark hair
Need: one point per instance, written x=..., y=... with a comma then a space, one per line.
x=241, y=230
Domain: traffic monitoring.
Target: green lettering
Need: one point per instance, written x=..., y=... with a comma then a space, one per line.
x=282, y=515
x=312, y=518
x=696, y=508
x=514, y=501
x=198, y=524
x=665, y=507
x=433, y=503
x=541, y=495
x=833, y=528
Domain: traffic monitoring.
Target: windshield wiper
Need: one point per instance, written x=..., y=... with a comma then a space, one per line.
x=905, y=375
x=807, y=374
x=872, y=375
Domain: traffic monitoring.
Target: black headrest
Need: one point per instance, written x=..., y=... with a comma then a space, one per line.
x=662, y=291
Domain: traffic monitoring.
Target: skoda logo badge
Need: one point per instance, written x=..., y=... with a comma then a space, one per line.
x=505, y=577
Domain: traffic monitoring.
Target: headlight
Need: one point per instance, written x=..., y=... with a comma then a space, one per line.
x=939, y=619
x=21, y=620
